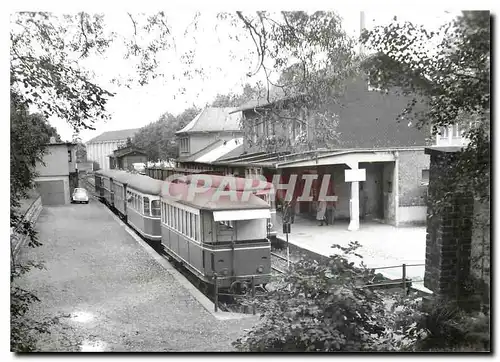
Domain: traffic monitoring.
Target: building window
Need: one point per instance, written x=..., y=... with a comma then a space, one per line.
x=425, y=177
x=69, y=156
x=443, y=133
x=456, y=132
x=184, y=143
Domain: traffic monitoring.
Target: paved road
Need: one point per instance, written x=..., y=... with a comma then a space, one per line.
x=118, y=297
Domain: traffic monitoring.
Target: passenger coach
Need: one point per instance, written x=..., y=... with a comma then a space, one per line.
x=261, y=189
x=142, y=196
x=212, y=234
x=135, y=198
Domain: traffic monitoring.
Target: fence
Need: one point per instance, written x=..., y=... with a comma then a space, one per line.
x=405, y=282
x=17, y=238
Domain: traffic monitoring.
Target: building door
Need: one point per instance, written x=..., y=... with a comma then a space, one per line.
x=51, y=192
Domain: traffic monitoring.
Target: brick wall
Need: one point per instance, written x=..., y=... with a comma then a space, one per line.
x=480, y=246
x=449, y=233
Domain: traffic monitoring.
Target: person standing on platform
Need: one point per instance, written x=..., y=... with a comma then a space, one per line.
x=321, y=213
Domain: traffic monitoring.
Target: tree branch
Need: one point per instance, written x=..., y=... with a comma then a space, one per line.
x=85, y=49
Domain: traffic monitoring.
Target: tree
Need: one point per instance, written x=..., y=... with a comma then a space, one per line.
x=308, y=61
x=29, y=136
x=249, y=93
x=46, y=74
x=158, y=138
x=81, y=150
x=454, y=78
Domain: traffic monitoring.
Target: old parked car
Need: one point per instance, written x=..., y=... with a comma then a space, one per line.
x=80, y=195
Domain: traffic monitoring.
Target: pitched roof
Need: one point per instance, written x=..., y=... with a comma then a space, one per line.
x=213, y=119
x=127, y=150
x=222, y=150
x=276, y=95
x=122, y=134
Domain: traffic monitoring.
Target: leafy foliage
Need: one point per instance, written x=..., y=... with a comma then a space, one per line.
x=454, y=79
x=306, y=57
x=28, y=138
x=322, y=306
x=449, y=327
x=48, y=50
x=158, y=138
x=248, y=93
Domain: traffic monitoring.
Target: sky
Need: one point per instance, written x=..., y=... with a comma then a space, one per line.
x=137, y=107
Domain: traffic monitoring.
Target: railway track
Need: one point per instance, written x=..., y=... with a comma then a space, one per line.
x=279, y=263
x=224, y=303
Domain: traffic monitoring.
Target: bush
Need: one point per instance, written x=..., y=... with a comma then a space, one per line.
x=321, y=306
x=451, y=329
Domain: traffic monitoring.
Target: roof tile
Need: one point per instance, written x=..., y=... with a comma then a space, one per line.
x=122, y=134
x=213, y=119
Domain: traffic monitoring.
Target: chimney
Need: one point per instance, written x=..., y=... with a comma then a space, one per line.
x=361, y=28
x=52, y=139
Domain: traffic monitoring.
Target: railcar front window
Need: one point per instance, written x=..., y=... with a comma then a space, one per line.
x=155, y=208
x=146, y=210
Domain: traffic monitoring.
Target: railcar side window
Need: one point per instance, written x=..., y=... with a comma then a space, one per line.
x=197, y=231
x=183, y=216
x=146, y=210
x=191, y=225
x=176, y=218
x=155, y=208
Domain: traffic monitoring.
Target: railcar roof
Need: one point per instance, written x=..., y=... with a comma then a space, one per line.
x=241, y=184
x=140, y=183
x=107, y=173
x=208, y=199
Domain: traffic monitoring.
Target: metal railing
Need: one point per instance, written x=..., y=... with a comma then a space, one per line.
x=404, y=279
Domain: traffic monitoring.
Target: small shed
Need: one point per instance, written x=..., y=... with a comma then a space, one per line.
x=124, y=158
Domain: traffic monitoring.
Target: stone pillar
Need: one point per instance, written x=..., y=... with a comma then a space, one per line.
x=449, y=231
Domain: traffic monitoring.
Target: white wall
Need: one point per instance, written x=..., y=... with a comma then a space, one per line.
x=100, y=151
x=412, y=214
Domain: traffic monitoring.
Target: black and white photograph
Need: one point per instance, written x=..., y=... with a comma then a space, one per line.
x=223, y=180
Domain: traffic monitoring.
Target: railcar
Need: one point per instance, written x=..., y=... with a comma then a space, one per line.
x=141, y=202
x=217, y=235
x=261, y=189
x=102, y=180
x=135, y=198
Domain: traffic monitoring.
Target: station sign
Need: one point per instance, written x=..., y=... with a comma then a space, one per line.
x=355, y=175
